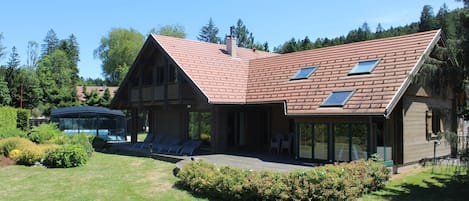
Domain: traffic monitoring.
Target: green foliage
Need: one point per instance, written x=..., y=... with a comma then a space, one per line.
x=344, y=181
x=209, y=32
x=15, y=132
x=84, y=141
x=246, y=39
x=2, y=48
x=66, y=157
x=5, y=98
x=22, y=121
x=177, y=31
x=46, y=133
x=8, y=144
x=31, y=155
x=117, y=51
x=7, y=118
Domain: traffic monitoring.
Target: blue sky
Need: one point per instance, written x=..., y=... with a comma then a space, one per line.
x=271, y=21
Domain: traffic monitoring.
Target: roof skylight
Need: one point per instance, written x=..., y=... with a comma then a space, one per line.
x=337, y=98
x=304, y=73
x=364, y=67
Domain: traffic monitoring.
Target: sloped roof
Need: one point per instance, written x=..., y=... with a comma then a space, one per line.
x=256, y=77
x=269, y=78
x=220, y=77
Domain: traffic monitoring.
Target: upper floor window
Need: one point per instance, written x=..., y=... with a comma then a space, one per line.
x=364, y=67
x=337, y=98
x=304, y=73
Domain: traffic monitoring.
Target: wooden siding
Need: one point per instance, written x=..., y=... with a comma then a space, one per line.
x=415, y=144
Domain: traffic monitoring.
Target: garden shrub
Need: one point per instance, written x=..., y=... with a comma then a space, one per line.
x=84, y=141
x=345, y=181
x=31, y=155
x=66, y=156
x=8, y=118
x=14, y=154
x=46, y=133
x=22, y=121
x=13, y=132
x=8, y=144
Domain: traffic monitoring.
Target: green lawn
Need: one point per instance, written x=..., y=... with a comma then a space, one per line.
x=437, y=183
x=104, y=177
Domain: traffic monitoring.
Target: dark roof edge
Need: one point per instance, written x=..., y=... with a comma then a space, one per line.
x=85, y=109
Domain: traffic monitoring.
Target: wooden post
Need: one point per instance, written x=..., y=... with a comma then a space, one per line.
x=134, y=126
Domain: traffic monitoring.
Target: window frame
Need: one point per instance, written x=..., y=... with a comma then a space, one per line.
x=351, y=92
x=377, y=61
x=295, y=77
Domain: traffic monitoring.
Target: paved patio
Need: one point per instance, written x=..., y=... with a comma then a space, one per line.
x=252, y=161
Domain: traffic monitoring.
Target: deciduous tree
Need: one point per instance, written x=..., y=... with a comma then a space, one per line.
x=118, y=51
x=177, y=31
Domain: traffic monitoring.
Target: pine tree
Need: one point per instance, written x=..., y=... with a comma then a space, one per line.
x=51, y=42
x=426, y=19
x=2, y=49
x=209, y=32
x=12, y=77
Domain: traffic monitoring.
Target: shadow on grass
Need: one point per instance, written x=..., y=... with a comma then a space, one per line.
x=438, y=186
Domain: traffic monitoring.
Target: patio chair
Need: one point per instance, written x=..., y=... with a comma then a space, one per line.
x=146, y=142
x=165, y=145
x=189, y=149
x=275, y=142
x=177, y=148
x=286, y=143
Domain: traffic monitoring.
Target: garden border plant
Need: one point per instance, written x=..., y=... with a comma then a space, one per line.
x=344, y=181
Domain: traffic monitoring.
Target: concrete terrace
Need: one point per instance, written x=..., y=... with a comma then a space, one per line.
x=251, y=161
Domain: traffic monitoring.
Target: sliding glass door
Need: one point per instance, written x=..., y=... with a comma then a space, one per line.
x=314, y=141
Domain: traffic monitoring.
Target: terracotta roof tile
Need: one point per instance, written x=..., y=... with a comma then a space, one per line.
x=258, y=77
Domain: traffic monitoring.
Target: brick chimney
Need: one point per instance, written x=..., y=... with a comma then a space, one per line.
x=231, y=43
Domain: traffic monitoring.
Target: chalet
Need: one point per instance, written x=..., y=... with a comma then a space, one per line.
x=337, y=103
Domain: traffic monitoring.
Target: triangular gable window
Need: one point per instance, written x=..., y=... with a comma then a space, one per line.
x=364, y=67
x=337, y=98
x=304, y=73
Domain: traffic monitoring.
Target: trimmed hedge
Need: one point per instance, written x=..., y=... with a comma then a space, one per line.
x=22, y=121
x=7, y=119
x=345, y=181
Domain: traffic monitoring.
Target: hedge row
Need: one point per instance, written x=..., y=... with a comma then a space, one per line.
x=11, y=119
x=8, y=118
x=346, y=181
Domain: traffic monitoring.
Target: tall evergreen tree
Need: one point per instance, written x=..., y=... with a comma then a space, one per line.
x=12, y=77
x=242, y=34
x=445, y=22
x=427, y=19
x=51, y=42
x=209, y=32
x=2, y=48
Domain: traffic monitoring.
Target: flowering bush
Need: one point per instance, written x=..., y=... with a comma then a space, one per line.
x=344, y=181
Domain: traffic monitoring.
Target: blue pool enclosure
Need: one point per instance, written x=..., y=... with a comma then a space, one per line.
x=108, y=124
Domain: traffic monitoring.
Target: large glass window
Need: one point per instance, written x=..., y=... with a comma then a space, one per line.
x=321, y=133
x=342, y=140
x=306, y=147
x=200, y=126
x=359, y=141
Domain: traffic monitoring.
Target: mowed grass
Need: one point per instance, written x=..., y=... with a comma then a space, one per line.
x=432, y=183
x=104, y=177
